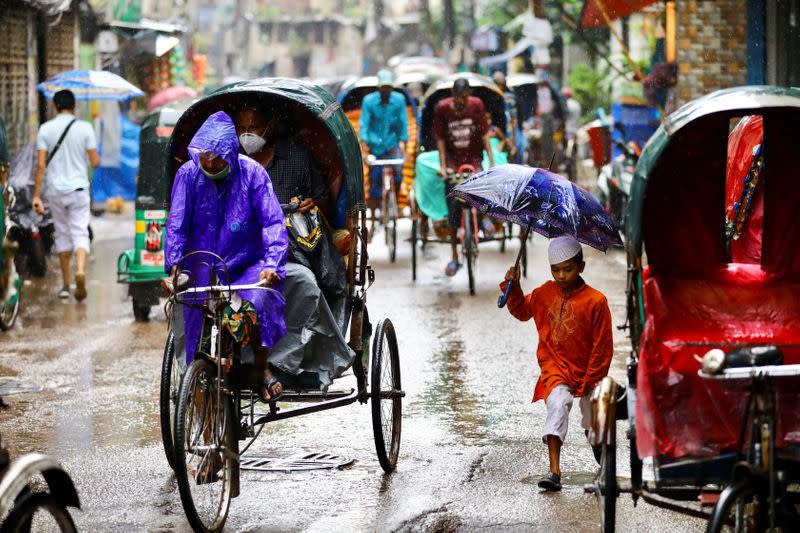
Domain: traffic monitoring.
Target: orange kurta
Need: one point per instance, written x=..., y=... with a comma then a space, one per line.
x=575, y=338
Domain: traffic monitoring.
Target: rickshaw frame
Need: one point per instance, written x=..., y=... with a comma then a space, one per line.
x=679, y=480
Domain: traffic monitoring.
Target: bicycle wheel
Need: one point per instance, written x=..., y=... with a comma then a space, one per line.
x=390, y=227
x=470, y=250
x=385, y=395
x=204, y=465
x=168, y=398
x=38, y=511
x=736, y=510
x=10, y=310
x=606, y=483
x=414, y=230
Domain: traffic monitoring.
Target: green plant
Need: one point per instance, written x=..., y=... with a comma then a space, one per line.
x=591, y=88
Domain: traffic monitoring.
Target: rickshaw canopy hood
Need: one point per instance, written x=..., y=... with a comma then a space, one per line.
x=306, y=98
x=677, y=205
x=481, y=87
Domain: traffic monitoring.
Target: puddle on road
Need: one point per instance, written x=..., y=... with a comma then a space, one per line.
x=450, y=396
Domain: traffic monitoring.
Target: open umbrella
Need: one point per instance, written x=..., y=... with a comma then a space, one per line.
x=90, y=85
x=169, y=95
x=542, y=201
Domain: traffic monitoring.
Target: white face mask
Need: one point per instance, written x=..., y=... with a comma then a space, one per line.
x=251, y=142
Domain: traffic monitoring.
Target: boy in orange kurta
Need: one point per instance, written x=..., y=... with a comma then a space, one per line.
x=575, y=342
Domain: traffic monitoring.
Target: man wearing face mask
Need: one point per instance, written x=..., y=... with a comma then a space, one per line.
x=461, y=131
x=223, y=202
x=383, y=128
x=291, y=168
x=314, y=351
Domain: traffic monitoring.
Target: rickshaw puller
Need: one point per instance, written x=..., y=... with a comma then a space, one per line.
x=223, y=202
x=575, y=343
x=383, y=128
x=462, y=134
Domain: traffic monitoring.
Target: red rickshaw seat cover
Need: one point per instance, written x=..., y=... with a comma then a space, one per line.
x=680, y=414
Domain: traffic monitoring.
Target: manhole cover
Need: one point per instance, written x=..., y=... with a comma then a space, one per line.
x=298, y=462
x=9, y=386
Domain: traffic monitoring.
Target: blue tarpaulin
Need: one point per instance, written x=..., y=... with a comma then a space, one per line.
x=111, y=182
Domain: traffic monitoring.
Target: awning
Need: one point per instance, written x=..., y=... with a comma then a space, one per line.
x=595, y=11
x=519, y=48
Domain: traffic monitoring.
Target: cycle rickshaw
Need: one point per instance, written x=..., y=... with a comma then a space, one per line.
x=227, y=417
x=723, y=440
x=428, y=200
x=394, y=202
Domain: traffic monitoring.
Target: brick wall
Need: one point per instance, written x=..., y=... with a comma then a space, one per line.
x=712, y=46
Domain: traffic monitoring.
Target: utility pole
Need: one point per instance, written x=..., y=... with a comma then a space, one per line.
x=449, y=24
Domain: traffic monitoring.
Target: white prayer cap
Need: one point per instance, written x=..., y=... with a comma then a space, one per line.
x=562, y=249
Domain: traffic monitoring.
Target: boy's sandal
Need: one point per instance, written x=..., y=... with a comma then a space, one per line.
x=452, y=268
x=268, y=384
x=550, y=482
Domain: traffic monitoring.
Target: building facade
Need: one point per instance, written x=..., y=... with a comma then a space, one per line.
x=34, y=45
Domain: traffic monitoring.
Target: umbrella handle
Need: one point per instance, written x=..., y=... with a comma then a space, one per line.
x=503, y=298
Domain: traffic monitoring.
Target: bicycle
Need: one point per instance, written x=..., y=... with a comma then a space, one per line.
x=390, y=210
x=27, y=508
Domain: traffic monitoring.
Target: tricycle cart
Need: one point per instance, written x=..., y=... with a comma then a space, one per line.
x=394, y=202
x=142, y=267
x=722, y=440
x=211, y=414
x=428, y=199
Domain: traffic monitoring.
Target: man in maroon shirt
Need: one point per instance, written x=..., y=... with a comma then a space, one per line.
x=462, y=134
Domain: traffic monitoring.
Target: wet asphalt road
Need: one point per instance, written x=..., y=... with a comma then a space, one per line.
x=470, y=454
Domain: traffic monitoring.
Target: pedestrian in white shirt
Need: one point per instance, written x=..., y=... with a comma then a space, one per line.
x=64, y=146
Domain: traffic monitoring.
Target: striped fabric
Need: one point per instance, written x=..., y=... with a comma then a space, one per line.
x=411, y=147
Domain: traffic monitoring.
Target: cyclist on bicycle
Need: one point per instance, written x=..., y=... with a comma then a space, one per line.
x=461, y=131
x=223, y=202
x=383, y=128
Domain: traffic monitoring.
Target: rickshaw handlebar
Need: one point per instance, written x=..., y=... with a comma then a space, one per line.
x=384, y=162
x=231, y=288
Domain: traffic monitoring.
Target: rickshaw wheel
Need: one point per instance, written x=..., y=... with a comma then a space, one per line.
x=168, y=398
x=384, y=392
x=735, y=511
x=391, y=238
x=606, y=483
x=203, y=435
x=470, y=251
x=141, y=313
x=414, y=230
x=8, y=314
x=23, y=516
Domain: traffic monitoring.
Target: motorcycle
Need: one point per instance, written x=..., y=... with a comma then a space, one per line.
x=33, y=234
x=614, y=181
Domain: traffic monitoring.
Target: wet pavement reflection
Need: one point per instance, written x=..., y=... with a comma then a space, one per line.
x=470, y=453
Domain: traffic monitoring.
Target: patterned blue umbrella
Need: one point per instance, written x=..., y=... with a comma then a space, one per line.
x=90, y=85
x=541, y=200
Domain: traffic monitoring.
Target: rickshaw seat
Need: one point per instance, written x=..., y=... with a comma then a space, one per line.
x=680, y=414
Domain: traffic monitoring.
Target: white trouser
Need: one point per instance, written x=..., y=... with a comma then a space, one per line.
x=71, y=216
x=559, y=403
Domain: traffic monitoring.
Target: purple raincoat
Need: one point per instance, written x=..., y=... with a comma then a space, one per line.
x=241, y=221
